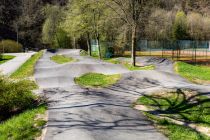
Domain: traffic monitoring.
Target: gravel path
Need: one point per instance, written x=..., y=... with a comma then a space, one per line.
x=11, y=66
x=76, y=113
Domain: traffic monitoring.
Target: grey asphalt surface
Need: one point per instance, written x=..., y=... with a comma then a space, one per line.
x=12, y=65
x=77, y=113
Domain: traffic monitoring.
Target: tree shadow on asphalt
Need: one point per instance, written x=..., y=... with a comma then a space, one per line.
x=113, y=102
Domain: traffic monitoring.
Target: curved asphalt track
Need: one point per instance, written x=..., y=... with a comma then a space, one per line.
x=76, y=113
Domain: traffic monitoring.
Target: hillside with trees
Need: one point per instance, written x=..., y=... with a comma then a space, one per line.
x=75, y=24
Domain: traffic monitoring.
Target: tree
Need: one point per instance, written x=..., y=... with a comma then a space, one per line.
x=198, y=26
x=159, y=25
x=78, y=21
x=180, y=26
x=131, y=12
x=84, y=19
x=25, y=17
x=51, y=26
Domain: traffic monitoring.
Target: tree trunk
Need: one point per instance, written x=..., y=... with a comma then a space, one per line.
x=133, y=46
x=75, y=47
x=89, y=44
x=99, y=47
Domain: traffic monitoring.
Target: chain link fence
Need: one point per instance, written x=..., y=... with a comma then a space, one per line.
x=183, y=50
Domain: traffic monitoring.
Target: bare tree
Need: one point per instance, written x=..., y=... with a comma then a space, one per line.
x=131, y=12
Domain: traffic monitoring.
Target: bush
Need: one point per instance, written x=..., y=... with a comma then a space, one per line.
x=15, y=96
x=110, y=52
x=10, y=46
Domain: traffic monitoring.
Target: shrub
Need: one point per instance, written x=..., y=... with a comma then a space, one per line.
x=15, y=96
x=10, y=46
x=110, y=52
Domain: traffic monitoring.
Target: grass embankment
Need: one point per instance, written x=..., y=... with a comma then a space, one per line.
x=27, y=69
x=197, y=74
x=5, y=58
x=184, y=106
x=129, y=66
x=20, y=108
x=23, y=126
x=61, y=59
x=96, y=80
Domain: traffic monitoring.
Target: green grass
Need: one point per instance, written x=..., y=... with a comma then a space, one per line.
x=19, y=107
x=134, y=68
x=112, y=60
x=24, y=126
x=27, y=69
x=128, y=65
x=174, y=131
x=178, y=105
x=5, y=58
x=197, y=74
x=96, y=80
x=15, y=96
x=61, y=59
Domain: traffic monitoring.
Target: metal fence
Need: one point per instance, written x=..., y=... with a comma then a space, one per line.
x=186, y=50
x=177, y=50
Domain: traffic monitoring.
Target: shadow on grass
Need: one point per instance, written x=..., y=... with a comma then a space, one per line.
x=188, y=107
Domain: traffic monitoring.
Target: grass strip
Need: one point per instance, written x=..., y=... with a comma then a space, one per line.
x=23, y=126
x=27, y=69
x=61, y=59
x=185, y=106
x=194, y=73
x=129, y=66
x=96, y=80
x=5, y=58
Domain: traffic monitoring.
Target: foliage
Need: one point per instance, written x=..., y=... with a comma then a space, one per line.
x=159, y=25
x=197, y=74
x=185, y=106
x=10, y=46
x=96, y=80
x=61, y=59
x=27, y=69
x=5, y=58
x=51, y=25
x=24, y=125
x=62, y=39
x=198, y=26
x=15, y=96
x=180, y=26
x=28, y=17
x=19, y=107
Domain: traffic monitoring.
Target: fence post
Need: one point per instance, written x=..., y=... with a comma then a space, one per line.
x=196, y=52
